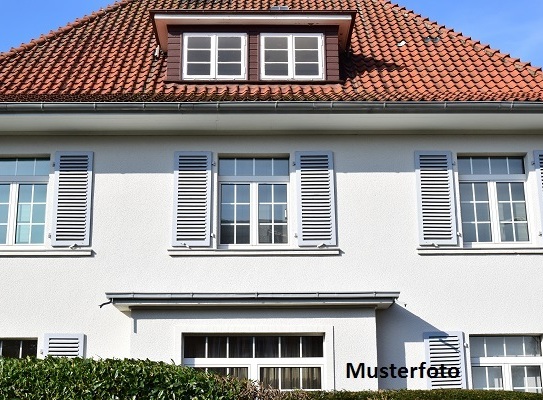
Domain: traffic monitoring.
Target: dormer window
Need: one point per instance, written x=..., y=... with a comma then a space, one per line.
x=292, y=56
x=214, y=56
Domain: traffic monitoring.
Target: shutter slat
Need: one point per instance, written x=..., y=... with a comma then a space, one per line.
x=192, y=219
x=73, y=196
x=437, y=216
x=316, y=199
x=64, y=345
x=447, y=349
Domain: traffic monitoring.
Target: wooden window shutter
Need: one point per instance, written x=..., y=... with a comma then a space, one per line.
x=445, y=349
x=73, y=199
x=435, y=184
x=316, y=198
x=64, y=345
x=192, y=208
x=538, y=161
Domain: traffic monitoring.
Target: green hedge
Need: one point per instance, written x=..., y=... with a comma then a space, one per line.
x=81, y=379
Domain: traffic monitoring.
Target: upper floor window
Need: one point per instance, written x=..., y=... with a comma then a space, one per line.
x=17, y=348
x=292, y=56
x=23, y=194
x=253, y=200
x=492, y=199
x=214, y=56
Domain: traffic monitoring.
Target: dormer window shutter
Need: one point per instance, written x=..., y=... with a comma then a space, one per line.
x=192, y=199
x=73, y=199
x=316, y=198
x=435, y=185
x=445, y=353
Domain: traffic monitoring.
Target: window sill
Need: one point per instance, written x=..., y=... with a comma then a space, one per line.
x=22, y=252
x=254, y=252
x=477, y=251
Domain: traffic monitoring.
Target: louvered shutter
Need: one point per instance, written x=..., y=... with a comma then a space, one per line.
x=445, y=349
x=64, y=345
x=316, y=198
x=538, y=161
x=192, y=208
x=73, y=199
x=435, y=183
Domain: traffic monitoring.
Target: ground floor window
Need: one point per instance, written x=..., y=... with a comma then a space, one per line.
x=506, y=363
x=18, y=348
x=281, y=361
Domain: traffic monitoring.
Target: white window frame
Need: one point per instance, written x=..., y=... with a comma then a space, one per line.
x=491, y=180
x=213, y=75
x=254, y=364
x=291, y=50
x=505, y=363
x=14, y=181
x=2, y=340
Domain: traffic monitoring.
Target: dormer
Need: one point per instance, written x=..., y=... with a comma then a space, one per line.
x=274, y=46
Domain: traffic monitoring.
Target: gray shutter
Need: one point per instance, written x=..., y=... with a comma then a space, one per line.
x=73, y=199
x=192, y=208
x=445, y=352
x=316, y=198
x=435, y=184
x=538, y=161
x=64, y=345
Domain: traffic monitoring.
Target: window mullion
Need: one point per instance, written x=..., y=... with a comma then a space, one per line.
x=12, y=213
x=253, y=222
x=494, y=212
x=291, y=57
x=214, y=56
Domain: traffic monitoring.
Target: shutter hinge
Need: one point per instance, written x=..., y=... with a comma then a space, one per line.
x=533, y=162
x=53, y=164
x=294, y=163
x=49, y=235
x=214, y=163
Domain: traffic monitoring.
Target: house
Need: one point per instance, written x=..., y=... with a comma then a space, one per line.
x=318, y=195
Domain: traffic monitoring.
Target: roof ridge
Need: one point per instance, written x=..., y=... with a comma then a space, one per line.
x=458, y=35
x=63, y=29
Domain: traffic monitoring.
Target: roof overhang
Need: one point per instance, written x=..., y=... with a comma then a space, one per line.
x=375, y=300
x=343, y=19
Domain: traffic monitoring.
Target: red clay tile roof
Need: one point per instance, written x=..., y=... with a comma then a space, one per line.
x=108, y=56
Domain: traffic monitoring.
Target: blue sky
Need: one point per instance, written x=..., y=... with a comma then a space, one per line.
x=514, y=27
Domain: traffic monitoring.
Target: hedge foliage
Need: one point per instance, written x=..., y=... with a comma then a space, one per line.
x=81, y=379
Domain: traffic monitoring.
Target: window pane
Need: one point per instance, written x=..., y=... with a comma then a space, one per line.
x=506, y=232
x=239, y=372
x=267, y=346
x=533, y=378
x=477, y=346
x=4, y=193
x=484, y=232
x=242, y=194
x=4, y=209
x=263, y=166
x=37, y=234
x=504, y=210
x=483, y=212
x=521, y=232
x=290, y=378
x=312, y=346
x=275, y=42
x=464, y=166
x=503, y=191
x=42, y=167
x=306, y=56
x=516, y=165
x=199, y=42
x=480, y=165
x=290, y=346
x=311, y=378
x=23, y=212
x=203, y=56
x=40, y=193
x=280, y=167
x=38, y=214
x=227, y=234
x=242, y=213
x=466, y=191
x=494, y=346
x=3, y=234
x=25, y=166
x=229, y=42
x=7, y=166
x=519, y=212
x=517, y=191
x=264, y=193
x=514, y=346
x=216, y=347
x=280, y=193
x=469, y=232
x=518, y=375
x=199, y=69
x=240, y=347
x=306, y=43
x=227, y=193
x=242, y=234
x=276, y=56
x=227, y=213
x=478, y=376
x=25, y=193
x=532, y=346
x=22, y=236
x=276, y=69
x=265, y=234
x=195, y=346
x=265, y=213
x=481, y=191
x=222, y=371
x=229, y=56
x=227, y=166
x=280, y=213
x=498, y=165
x=244, y=167
x=11, y=348
x=229, y=69
x=270, y=377
x=307, y=69
x=495, y=378
x=30, y=348
x=280, y=234
x=468, y=212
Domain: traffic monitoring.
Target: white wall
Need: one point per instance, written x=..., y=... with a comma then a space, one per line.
x=378, y=236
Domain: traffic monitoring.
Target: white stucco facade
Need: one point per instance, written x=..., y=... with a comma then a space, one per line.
x=491, y=290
